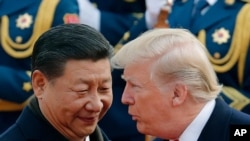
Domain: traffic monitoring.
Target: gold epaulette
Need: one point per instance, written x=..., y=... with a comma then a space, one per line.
x=8, y=106
x=239, y=100
x=42, y=23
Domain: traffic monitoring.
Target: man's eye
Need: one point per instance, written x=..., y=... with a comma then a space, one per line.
x=134, y=85
x=103, y=90
x=82, y=91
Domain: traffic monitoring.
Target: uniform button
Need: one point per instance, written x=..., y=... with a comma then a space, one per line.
x=19, y=39
x=217, y=55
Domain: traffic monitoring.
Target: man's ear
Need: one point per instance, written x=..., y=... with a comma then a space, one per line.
x=39, y=81
x=180, y=94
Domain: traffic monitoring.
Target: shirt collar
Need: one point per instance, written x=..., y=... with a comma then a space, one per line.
x=192, y=132
x=87, y=138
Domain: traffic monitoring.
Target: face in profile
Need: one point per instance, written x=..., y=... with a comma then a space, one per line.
x=148, y=105
x=77, y=100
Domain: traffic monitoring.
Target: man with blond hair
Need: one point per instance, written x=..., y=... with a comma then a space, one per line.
x=172, y=89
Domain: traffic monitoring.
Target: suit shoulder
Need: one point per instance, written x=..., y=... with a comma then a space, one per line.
x=239, y=117
x=13, y=133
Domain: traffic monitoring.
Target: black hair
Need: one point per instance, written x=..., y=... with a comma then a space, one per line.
x=65, y=42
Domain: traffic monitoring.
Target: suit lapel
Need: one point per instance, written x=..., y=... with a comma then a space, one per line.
x=217, y=128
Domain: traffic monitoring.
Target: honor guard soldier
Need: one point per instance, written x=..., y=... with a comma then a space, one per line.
x=21, y=23
x=111, y=17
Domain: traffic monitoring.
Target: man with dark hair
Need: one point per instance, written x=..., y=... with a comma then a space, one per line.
x=21, y=23
x=71, y=79
x=114, y=18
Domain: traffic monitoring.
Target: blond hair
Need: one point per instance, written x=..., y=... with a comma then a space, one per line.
x=175, y=53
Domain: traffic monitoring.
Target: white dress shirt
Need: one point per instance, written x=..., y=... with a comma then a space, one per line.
x=87, y=138
x=193, y=131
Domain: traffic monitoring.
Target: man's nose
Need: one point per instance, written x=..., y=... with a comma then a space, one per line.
x=127, y=98
x=94, y=104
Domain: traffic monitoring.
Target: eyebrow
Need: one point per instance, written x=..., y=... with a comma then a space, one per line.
x=126, y=79
x=130, y=80
x=81, y=80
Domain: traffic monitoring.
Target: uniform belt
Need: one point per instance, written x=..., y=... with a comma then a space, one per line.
x=8, y=106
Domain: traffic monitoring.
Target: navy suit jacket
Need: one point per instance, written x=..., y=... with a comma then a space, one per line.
x=218, y=125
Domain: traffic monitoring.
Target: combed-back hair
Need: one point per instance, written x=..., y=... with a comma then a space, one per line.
x=68, y=42
x=177, y=55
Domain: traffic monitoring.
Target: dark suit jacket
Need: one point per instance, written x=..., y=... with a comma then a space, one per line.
x=218, y=126
x=30, y=127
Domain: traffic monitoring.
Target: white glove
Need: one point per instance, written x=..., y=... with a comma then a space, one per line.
x=153, y=10
x=89, y=14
